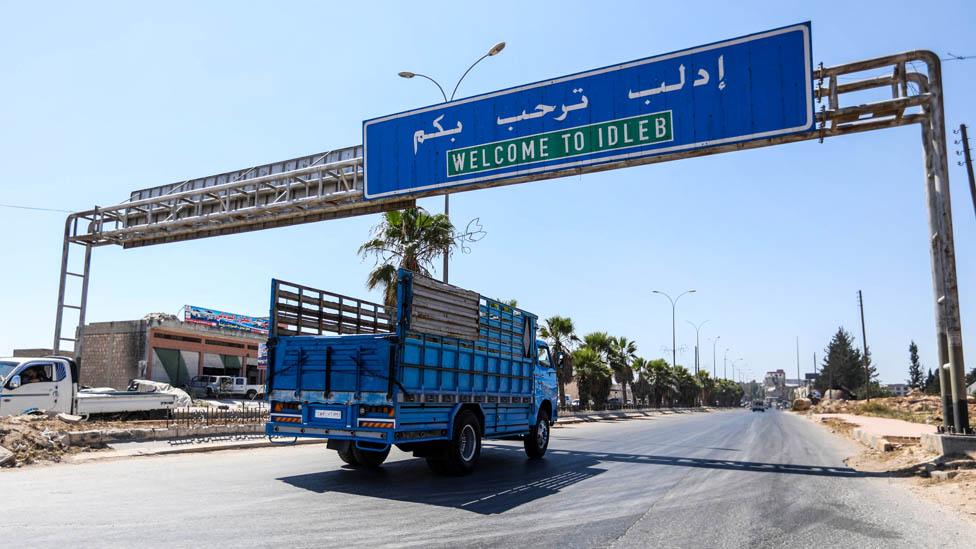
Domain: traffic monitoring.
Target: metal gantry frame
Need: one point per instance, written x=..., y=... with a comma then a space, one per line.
x=330, y=186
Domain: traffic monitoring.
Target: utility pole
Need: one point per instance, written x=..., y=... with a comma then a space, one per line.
x=864, y=342
x=968, y=161
x=799, y=378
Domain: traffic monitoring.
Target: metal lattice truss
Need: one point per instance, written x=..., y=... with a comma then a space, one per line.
x=301, y=190
x=329, y=186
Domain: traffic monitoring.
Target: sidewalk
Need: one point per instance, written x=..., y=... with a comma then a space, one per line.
x=881, y=433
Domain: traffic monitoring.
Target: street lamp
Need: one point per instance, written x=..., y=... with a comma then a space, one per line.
x=495, y=50
x=714, y=341
x=697, y=336
x=725, y=364
x=674, y=303
x=733, y=367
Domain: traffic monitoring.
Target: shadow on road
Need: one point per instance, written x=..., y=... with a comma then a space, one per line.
x=505, y=479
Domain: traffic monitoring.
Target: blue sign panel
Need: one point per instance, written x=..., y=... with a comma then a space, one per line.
x=747, y=88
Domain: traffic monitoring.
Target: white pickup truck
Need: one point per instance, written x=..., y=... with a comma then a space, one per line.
x=50, y=384
x=224, y=386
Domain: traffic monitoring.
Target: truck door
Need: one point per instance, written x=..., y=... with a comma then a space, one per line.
x=37, y=389
x=545, y=380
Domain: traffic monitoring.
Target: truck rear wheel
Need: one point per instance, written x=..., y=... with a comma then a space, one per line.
x=346, y=454
x=369, y=458
x=252, y=394
x=463, y=450
x=537, y=440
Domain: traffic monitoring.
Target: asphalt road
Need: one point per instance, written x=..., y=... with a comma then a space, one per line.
x=727, y=479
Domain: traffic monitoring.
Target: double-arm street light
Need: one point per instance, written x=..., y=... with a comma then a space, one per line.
x=697, y=328
x=674, y=303
x=733, y=367
x=495, y=50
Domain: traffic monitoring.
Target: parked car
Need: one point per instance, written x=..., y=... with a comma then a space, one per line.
x=758, y=406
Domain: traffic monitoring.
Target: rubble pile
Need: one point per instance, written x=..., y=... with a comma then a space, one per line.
x=29, y=439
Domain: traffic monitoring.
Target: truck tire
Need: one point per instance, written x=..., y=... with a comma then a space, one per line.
x=369, y=458
x=462, y=452
x=537, y=440
x=347, y=455
x=252, y=394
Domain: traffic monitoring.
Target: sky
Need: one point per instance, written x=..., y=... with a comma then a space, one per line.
x=100, y=98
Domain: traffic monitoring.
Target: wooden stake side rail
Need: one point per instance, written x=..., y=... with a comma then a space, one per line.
x=299, y=310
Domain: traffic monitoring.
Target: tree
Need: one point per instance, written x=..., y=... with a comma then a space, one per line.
x=642, y=388
x=931, y=383
x=560, y=333
x=592, y=375
x=411, y=239
x=687, y=386
x=661, y=381
x=915, y=379
x=622, y=353
x=971, y=377
x=707, y=385
x=843, y=366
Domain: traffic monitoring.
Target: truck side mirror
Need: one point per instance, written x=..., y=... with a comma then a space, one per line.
x=14, y=382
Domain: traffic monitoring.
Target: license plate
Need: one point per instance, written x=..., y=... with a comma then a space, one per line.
x=328, y=414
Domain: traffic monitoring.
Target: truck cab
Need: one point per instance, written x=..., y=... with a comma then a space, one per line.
x=35, y=384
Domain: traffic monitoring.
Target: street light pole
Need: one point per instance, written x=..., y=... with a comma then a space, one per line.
x=714, y=341
x=725, y=364
x=697, y=338
x=495, y=50
x=674, y=341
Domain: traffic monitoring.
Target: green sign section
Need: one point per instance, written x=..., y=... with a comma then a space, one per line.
x=624, y=133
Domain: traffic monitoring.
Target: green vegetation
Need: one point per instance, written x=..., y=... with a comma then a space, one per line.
x=915, y=379
x=843, y=367
x=411, y=239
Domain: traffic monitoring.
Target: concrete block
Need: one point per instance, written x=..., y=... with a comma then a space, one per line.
x=950, y=444
x=941, y=476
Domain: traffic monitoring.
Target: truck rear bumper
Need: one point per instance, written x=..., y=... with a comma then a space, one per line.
x=277, y=429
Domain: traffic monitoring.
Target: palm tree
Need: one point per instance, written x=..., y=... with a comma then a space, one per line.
x=661, y=380
x=642, y=388
x=560, y=333
x=687, y=386
x=622, y=354
x=411, y=239
x=592, y=375
x=707, y=387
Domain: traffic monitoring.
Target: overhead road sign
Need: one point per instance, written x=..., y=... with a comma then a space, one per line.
x=753, y=87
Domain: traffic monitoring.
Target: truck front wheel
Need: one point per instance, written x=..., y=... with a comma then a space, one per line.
x=537, y=440
x=463, y=450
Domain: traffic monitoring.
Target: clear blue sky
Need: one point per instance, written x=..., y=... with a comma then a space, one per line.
x=102, y=98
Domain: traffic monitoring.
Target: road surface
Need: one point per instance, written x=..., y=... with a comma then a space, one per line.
x=726, y=479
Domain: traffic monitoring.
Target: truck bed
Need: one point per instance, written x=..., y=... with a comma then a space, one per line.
x=447, y=346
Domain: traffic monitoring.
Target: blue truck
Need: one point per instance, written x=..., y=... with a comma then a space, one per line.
x=435, y=375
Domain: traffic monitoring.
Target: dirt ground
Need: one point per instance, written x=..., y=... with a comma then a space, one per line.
x=913, y=466
x=914, y=408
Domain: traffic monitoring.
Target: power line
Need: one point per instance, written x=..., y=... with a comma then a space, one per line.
x=954, y=57
x=19, y=207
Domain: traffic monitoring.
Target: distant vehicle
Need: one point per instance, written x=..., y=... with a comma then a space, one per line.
x=576, y=402
x=613, y=403
x=444, y=369
x=758, y=406
x=224, y=386
x=51, y=384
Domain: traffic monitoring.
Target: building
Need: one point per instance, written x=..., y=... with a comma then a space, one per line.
x=775, y=384
x=164, y=348
x=898, y=389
